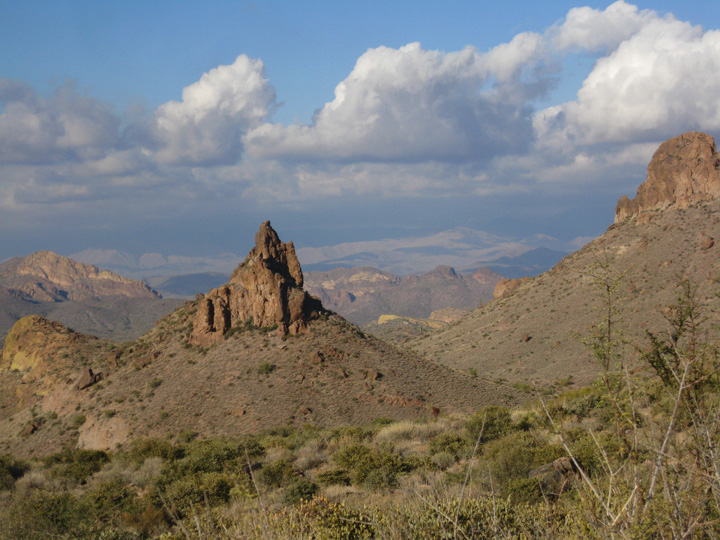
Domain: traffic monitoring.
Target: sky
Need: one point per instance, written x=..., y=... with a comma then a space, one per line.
x=177, y=127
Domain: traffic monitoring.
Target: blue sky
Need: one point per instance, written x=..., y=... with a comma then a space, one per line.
x=176, y=127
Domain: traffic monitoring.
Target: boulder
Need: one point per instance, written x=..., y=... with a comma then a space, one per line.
x=684, y=171
x=87, y=379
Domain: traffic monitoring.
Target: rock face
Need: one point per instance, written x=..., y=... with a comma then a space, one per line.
x=39, y=348
x=48, y=277
x=685, y=170
x=507, y=286
x=266, y=289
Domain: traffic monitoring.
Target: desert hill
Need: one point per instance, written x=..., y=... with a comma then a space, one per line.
x=255, y=353
x=363, y=294
x=48, y=277
x=78, y=295
x=668, y=234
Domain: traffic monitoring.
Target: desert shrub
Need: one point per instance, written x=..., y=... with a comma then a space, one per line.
x=110, y=498
x=321, y=519
x=523, y=490
x=141, y=449
x=76, y=464
x=301, y=489
x=405, y=431
x=448, y=443
x=333, y=477
x=212, y=488
x=311, y=455
x=77, y=421
x=515, y=455
x=489, y=424
x=10, y=470
x=468, y=518
x=443, y=460
x=44, y=514
x=265, y=368
x=371, y=468
x=276, y=474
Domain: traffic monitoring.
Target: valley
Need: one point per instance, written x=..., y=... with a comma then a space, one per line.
x=580, y=401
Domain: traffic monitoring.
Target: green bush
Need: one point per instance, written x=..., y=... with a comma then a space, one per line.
x=141, y=449
x=489, y=424
x=76, y=464
x=321, y=519
x=448, y=443
x=333, y=477
x=110, y=498
x=276, y=474
x=371, y=468
x=10, y=470
x=300, y=489
x=265, y=368
x=43, y=514
x=212, y=488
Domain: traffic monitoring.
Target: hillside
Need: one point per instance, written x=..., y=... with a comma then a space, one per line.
x=255, y=353
x=363, y=294
x=48, y=277
x=78, y=295
x=534, y=332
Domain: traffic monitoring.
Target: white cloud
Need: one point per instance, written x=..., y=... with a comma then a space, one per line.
x=657, y=83
x=65, y=127
x=589, y=29
x=207, y=126
x=413, y=105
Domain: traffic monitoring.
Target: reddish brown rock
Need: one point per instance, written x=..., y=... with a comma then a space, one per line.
x=87, y=379
x=266, y=289
x=507, y=286
x=684, y=171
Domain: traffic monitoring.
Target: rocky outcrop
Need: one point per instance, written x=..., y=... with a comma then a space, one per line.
x=507, y=286
x=685, y=170
x=40, y=349
x=48, y=277
x=266, y=290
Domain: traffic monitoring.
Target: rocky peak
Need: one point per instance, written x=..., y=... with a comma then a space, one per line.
x=684, y=171
x=275, y=254
x=442, y=272
x=49, y=277
x=265, y=289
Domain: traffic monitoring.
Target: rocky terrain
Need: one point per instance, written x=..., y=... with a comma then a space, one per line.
x=362, y=295
x=255, y=353
x=48, y=277
x=534, y=330
x=78, y=295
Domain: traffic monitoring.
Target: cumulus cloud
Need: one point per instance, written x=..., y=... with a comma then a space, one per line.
x=657, y=82
x=65, y=127
x=207, y=126
x=411, y=105
x=588, y=29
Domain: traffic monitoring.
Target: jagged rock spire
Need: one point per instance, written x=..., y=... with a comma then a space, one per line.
x=265, y=289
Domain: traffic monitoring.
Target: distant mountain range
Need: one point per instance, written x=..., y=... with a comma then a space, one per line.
x=461, y=248
x=362, y=295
